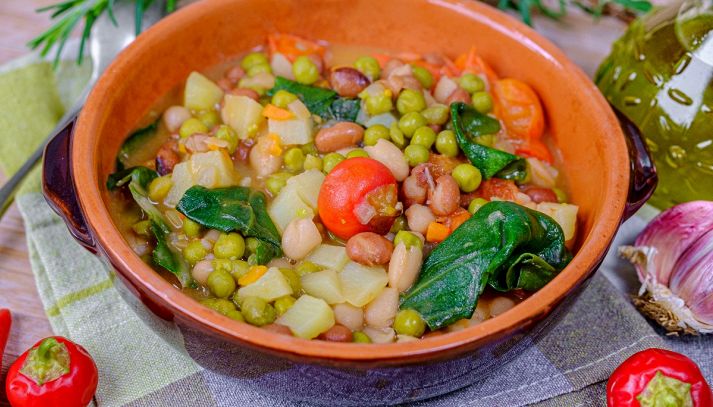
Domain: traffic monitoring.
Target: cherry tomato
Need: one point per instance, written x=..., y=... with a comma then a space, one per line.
x=520, y=109
x=358, y=195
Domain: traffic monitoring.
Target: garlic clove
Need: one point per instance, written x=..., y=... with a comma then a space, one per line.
x=692, y=279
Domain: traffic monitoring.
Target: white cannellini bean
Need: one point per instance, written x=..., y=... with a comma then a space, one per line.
x=405, y=338
x=301, y=236
x=381, y=311
x=391, y=156
x=350, y=316
x=174, y=117
x=482, y=312
x=202, y=270
x=419, y=217
x=262, y=160
x=380, y=335
x=500, y=305
x=404, y=267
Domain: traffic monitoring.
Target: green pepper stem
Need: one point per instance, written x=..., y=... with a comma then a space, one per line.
x=44, y=352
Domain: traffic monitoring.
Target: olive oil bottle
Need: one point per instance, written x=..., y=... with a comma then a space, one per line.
x=660, y=75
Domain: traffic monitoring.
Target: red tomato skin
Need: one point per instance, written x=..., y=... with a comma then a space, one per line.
x=73, y=389
x=632, y=377
x=346, y=186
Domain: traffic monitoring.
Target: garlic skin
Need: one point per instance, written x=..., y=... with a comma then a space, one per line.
x=674, y=260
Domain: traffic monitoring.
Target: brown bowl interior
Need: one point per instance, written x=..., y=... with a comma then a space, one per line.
x=204, y=34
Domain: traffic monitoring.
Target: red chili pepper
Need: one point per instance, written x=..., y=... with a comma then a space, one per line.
x=5, y=323
x=658, y=377
x=54, y=372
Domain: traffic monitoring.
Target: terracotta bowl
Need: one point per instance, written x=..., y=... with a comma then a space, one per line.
x=594, y=149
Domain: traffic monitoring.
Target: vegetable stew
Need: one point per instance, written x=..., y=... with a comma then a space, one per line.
x=347, y=194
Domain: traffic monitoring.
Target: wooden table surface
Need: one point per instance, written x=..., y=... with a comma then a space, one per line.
x=18, y=24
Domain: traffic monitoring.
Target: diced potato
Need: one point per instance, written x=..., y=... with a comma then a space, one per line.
x=308, y=317
x=380, y=335
x=361, y=284
x=287, y=206
x=293, y=131
x=201, y=93
x=308, y=185
x=213, y=169
x=385, y=119
x=181, y=180
x=243, y=114
x=323, y=284
x=270, y=286
x=564, y=214
x=328, y=256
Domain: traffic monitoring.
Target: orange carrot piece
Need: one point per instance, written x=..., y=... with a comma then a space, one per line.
x=535, y=148
x=458, y=218
x=293, y=46
x=473, y=63
x=276, y=113
x=517, y=104
x=437, y=232
x=382, y=59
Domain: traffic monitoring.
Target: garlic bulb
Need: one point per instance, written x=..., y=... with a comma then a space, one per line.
x=674, y=260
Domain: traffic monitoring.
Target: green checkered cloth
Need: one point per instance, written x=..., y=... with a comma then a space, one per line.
x=145, y=361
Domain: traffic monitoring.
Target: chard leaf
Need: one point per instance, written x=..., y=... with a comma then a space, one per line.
x=135, y=141
x=504, y=245
x=325, y=103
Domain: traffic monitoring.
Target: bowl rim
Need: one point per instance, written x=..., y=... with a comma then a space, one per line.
x=535, y=307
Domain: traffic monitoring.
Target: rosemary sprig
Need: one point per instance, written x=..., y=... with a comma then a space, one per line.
x=68, y=14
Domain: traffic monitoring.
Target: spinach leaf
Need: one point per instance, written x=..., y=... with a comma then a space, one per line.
x=504, y=245
x=138, y=179
x=135, y=141
x=468, y=125
x=325, y=103
x=234, y=208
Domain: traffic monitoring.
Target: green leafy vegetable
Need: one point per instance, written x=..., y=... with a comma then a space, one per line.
x=234, y=208
x=138, y=179
x=325, y=103
x=134, y=142
x=504, y=245
x=469, y=124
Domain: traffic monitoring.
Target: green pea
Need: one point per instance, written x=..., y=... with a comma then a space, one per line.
x=142, y=228
x=476, y=204
x=471, y=83
x=398, y=225
x=486, y=140
x=423, y=75
x=194, y=252
x=282, y=304
x=209, y=117
x=258, y=69
x=257, y=311
x=254, y=58
x=397, y=136
x=360, y=337
x=409, y=122
x=191, y=127
x=309, y=148
x=467, y=176
x=446, y=143
x=424, y=136
x=313, y=162
x=236, y=315
x=282, y=98
x=409, y=322
x=482, y=102
x=408, y=239
x=305, y=70
x=159, y=188
x=374, y=133
x=416, y=154
x=294, y=159
x=378, y=104
x=229, y=246
x=220, y=305
x=436, y=114
x=561, y=195
x=292, y=278
x=221, y=283
x=275, y=182
x=306, y=267
x=239, y=268
x=191, y=228
x=410, y=100
x=330, y=161
x=357, y=152
x=227, y=133
x=369, y=66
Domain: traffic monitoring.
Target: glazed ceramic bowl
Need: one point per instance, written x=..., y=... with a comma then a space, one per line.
x=593, y=146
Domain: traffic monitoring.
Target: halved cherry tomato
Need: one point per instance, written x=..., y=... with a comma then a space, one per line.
x=358, y=195
x=534, y=148
x=517, y=104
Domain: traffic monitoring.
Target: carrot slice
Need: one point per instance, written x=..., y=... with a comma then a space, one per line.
x=437, y=232
x=382, y=59
x=471, y=62
x=276, y=113
x=293, y=46
x=252, y=275
x=517, y=104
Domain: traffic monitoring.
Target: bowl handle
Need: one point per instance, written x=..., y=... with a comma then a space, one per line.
x=58, y=187
x=643, y=178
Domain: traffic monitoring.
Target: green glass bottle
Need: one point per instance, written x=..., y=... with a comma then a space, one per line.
x=660, y=75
